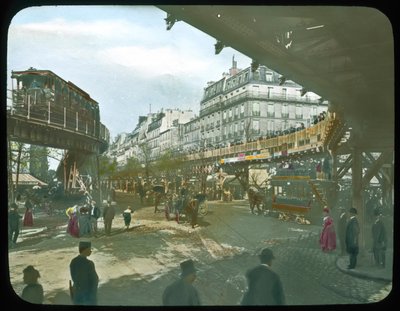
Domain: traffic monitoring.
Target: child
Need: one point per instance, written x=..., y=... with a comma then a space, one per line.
x=33, y=291
x=127, y=216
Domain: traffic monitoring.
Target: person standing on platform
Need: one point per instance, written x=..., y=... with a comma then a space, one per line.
x=84, y=277
x=352, y=232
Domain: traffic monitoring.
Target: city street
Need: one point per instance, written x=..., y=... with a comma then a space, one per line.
x=135, y=266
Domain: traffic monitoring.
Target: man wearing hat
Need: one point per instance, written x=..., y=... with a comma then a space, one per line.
x=379, y=239
x=108, y=216
x=264, y=285
x=84, y=277
x=352, y=232
x=182, y=292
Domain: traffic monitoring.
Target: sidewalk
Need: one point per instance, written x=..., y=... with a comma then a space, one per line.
x=366, y=268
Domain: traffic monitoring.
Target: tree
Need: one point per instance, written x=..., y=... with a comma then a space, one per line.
x=145, y=157
x=107, y=166
x=38, y=163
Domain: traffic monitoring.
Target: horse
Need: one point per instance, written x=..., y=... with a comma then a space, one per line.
x=184, y=204
x=256, y=198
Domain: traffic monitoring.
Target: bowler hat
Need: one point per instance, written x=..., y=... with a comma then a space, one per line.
x=84, y=245
x=377, y=212
x=353, y=211
x=187, y=267
x=266, y=255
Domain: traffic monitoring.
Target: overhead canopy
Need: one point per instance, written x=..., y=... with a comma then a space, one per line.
x=27, y=180
x=345, y=54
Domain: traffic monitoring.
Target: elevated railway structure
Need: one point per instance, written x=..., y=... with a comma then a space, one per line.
x=49, y=111
x=343, y=53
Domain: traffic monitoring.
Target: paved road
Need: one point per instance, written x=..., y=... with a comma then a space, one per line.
x=135, y=266
x=309, y=275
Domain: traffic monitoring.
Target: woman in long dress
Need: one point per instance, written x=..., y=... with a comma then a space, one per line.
x=73, y=226
x=327, y=239
x=28, y=217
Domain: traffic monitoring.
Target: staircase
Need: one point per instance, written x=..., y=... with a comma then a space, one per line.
x=316, y=188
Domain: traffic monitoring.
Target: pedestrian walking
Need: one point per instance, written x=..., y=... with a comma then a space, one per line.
x=379, y=239
x=342, y=230
x=108, y=216
x=84, y=277
x=264, y=284
x=33, y=291
x=127, y=214
x=182, y=292
x=327, y=239
x=13, y=224
x=352, y=232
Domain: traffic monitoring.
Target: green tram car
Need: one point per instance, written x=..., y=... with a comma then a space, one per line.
x=297, y=196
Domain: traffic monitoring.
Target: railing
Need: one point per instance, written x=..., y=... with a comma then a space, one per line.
x=46, y=112
x=248, y=95
x=302, y=140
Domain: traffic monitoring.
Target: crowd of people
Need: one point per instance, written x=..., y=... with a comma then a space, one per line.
x=348, y=233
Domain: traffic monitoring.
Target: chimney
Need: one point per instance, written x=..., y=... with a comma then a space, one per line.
x=233, y=71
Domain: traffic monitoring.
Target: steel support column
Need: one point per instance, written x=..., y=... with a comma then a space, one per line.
x=356, y=172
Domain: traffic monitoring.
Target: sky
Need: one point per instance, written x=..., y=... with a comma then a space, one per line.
x=123, y=56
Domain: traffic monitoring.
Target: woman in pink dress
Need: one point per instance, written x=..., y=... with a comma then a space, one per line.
x=73, y=226
x=327, y=239
x=28, y=217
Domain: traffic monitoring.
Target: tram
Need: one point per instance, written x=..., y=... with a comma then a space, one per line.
x=296, y=196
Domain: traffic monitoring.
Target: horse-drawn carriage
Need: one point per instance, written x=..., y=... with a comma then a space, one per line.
x=185, y=205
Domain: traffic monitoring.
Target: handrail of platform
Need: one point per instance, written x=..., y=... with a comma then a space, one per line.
x=301, y=140
x=61, y=117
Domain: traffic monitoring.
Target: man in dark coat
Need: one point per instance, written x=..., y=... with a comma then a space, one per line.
x=379, y=239
x=264, y=285
x=352, y=232
x=13, y=224
x=84, y=277
x=182, y=292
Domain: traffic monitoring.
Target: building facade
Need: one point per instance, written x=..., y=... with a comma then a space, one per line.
x=242, y=106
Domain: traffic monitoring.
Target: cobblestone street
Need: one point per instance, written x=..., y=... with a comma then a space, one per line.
x=135, y=266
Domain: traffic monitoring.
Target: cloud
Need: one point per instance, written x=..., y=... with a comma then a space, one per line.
x=154, y=61
x=125, y=61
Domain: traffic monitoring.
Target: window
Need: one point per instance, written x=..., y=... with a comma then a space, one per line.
x=271, y=126
x=269, y=91
x=256, y=126
x=285, y=111
x=242, y=111
x=268, y=76
x=284, y=92
x=256, y=109
x=271, y=111
x=299, y=112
